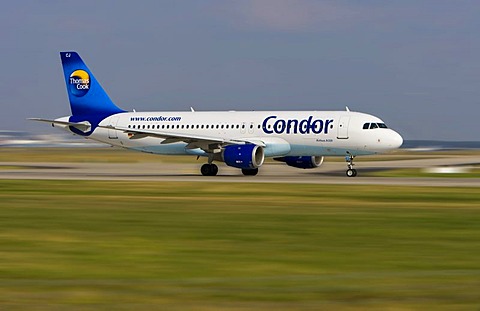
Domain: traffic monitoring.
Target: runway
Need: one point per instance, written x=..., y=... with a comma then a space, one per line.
x=328, y=173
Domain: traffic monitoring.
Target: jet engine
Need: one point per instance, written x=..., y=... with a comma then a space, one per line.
x=246, y=157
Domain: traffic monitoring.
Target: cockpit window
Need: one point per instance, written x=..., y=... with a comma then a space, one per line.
x=367, y=126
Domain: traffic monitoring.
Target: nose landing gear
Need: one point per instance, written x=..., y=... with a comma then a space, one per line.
x=351, y=172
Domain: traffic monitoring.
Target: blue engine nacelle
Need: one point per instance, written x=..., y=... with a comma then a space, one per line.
x=247, y=156
x=302, y=162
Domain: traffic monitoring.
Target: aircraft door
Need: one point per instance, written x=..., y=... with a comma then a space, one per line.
x=342, y=130
x=112, y=134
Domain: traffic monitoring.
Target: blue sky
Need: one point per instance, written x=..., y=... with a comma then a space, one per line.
x=415, y=64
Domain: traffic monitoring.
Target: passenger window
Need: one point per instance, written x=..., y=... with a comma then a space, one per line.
x=366, y=126
x=373, y=126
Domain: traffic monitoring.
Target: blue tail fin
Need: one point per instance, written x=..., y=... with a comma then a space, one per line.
x=87, y=98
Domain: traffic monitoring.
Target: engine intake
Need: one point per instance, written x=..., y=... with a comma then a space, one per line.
x=247, y=156
x=302, y=162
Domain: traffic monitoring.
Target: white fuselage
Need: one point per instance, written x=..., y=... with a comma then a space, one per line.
x=283, y=133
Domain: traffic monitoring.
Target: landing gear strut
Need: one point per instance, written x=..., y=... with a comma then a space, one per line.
x=209, y=169
x=351, y=172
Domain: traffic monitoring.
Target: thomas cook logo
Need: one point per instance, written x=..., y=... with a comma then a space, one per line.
x=79, y=82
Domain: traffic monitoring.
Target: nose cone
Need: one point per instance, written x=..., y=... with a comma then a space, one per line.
x=395, y=140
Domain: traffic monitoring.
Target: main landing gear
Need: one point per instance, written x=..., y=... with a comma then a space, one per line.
x=351, y=172
x=212, y=170
x=209, y=169
x=250, y=172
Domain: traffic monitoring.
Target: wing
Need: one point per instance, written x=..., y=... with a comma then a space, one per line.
x=206, y=143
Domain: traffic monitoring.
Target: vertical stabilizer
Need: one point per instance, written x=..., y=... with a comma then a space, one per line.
x=87, y=98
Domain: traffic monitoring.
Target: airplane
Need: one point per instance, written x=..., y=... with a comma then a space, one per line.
x=240, y=139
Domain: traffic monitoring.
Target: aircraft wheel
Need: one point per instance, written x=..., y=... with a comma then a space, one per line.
x=351, y=172
x=250, y=172
x=214, y=170
x=209, y=169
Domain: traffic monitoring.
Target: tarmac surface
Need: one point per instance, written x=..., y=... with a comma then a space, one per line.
x=328, y=173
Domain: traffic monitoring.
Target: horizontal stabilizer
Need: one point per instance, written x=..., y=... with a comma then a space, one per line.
x=83, y=126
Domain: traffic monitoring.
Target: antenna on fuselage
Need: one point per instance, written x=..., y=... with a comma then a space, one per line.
x=346, y=108
x=193, y=110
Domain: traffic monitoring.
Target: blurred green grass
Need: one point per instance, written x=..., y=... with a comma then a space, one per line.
x=90, y=245
x=84, y=155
